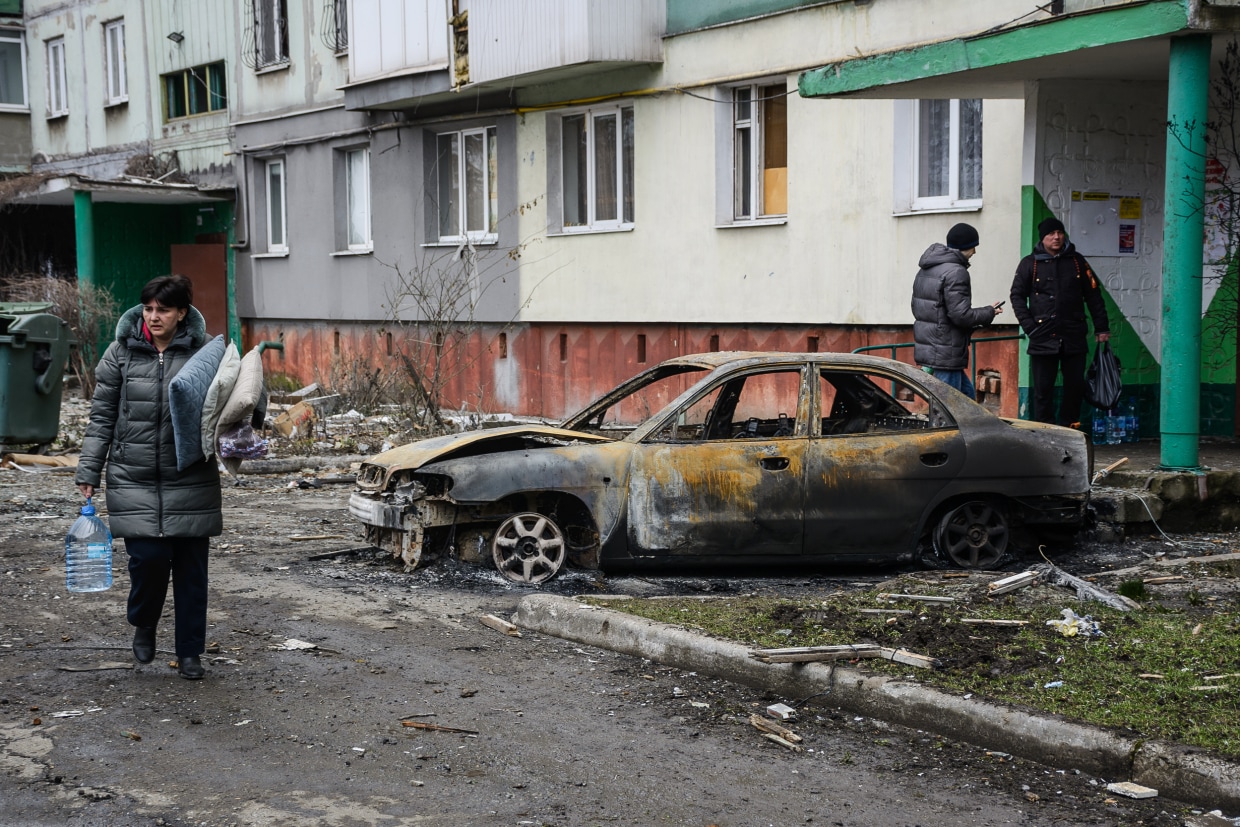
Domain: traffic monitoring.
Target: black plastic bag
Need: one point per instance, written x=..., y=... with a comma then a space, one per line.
x=1103, y=386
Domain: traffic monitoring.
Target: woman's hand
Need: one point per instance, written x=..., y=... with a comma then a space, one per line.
x=88, y=491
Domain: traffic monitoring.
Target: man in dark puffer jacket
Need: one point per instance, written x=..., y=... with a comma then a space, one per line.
x=1052, y=287
x=944, y=317
x=165, y=516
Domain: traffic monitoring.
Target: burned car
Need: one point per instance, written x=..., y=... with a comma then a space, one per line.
x=735, y=458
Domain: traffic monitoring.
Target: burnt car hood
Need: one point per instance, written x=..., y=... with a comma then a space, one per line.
x=471, y=443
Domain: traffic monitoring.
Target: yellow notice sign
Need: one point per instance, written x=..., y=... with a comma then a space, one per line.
x=1130, y=208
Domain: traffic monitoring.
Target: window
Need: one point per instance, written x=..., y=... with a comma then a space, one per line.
x=114, y=62
x=759, y=151
x=57, y=90
x=596, y=155
x=860, y=403
x=336, y=25
x=468, y=184
x=195, y=91
x=277, y=236
x=270, y=32
x=944, y=154
x=357, y=189
x=759, y=406
x=12, y=70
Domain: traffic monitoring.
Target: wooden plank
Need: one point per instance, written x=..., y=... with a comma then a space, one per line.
x=981, y=621
x=500, y=625
x=770, y=736
x=1011, y=584
x=909, y=658
x=885, y=611
x=922, y=598
x=767, y=725
x=815, y=654
x=437, y=727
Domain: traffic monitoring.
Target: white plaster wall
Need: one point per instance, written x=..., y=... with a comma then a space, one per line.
x=1111, y=137
x=841, y=257
x=311, y=78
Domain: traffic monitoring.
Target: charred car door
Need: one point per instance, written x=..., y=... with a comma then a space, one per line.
x=723, y=474
x=882, y=450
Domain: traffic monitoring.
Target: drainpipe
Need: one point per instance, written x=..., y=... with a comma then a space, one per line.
x=1188, y=83
x=84, y=232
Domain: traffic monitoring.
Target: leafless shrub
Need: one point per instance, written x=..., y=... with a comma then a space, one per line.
x=90, y=311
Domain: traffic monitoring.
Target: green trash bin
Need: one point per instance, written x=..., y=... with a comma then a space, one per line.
x=34, y=349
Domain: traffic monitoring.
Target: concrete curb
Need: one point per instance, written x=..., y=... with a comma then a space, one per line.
x=1176, y=772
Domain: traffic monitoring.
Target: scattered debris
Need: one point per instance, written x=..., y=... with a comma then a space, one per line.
x=1012, y=583
x=1154, y=676
x=1131, y=790
x=76, y=713
x=133, y=736
x=1084, y=591
x=781, y=712
x=766, y=725
x=437, y=727
x=908, y=658
x=298, y=538
x=344, y=552
x=293, y=644
x=1168, y=578
x=25, y=462
x=1072, y=625
x=103, y=667
x=297, y=421
x=468, y=693
x=923, y=598
x=500, y=625
x=885, y=611
x=770, y=736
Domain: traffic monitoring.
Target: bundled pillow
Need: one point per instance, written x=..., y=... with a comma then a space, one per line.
x=186, y=394
x=217, y=395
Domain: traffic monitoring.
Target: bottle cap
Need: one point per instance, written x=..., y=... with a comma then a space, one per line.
x=88, y=510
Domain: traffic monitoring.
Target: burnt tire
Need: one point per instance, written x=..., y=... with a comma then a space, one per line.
x=973, y=535
x=528, y=548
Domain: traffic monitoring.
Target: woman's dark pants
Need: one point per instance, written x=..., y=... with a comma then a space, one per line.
x=151, y=562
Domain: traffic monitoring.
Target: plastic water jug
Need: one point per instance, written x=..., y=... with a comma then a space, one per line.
x=88, y=553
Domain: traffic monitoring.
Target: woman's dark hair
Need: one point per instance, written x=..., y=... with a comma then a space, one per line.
x=170, y=291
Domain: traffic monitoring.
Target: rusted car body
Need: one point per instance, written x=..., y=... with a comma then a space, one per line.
x=734, y=457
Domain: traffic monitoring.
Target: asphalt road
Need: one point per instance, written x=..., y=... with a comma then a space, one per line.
x=553, y=733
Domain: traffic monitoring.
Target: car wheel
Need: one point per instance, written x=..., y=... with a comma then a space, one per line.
x=528, y=548
x=973, y=535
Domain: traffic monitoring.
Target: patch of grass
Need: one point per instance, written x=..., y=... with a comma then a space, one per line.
x=1144, y=675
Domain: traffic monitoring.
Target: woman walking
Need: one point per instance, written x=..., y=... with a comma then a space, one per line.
x=164, y=515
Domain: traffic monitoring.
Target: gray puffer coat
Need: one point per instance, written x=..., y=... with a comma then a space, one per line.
x=944, y=319
x=130, y=429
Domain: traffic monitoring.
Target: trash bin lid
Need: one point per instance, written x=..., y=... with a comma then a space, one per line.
x=22, y=308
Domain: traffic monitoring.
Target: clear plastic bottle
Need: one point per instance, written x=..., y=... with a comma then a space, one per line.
x=1132, y=430
x=1100, y=428
x=1115, y=428
x=88, y=553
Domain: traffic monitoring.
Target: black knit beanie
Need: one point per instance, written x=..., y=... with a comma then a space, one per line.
x=1049, y=226
x=962, y=237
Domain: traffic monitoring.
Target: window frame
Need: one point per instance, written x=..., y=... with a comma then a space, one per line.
x=57, y=80
x=366, y=244
x=273, y=247
x=459, y=172
x=908, y=126
x=204, y=70
x=755, y=125
x=625, y=166
x=17, y=36
x=278, y=10
x=340, y=13
x=115, y=72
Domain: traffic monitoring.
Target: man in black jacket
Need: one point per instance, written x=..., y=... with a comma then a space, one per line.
x=1052, y=287
x=942, y=309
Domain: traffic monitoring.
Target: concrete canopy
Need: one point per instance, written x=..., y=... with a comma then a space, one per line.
x=1129, y=42
x=59, y=192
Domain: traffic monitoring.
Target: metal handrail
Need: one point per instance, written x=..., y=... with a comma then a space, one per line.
x=973, y=343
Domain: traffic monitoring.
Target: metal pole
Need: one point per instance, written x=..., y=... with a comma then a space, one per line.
x=1188, y=80
x=84, y=232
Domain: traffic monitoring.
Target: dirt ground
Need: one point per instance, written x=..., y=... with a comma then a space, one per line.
x=541, y=731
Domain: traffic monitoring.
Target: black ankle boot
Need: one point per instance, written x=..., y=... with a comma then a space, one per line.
x=144, y=644
x=190, y=668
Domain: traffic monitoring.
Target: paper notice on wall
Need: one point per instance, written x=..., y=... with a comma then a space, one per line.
x=1105, y=223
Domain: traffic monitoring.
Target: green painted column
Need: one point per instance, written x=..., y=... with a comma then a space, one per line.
x=84, y=232
x=1188, y=79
